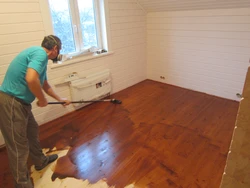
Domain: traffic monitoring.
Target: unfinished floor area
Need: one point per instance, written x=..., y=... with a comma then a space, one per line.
x=161, y=136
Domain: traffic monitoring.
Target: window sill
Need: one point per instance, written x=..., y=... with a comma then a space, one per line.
x=80, y=59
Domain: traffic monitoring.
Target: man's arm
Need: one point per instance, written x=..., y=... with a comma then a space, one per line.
x=49, y=90
x=32, y=79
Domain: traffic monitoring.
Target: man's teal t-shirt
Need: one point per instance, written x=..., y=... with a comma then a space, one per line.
x=14, y=82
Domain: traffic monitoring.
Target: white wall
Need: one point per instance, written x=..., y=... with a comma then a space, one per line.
x=21, y=25
x=177, y=5
x=204, y=50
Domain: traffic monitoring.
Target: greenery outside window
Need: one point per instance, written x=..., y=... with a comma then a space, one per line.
x=79, y=25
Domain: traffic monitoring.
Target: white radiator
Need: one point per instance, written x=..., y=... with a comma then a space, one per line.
x=92, y=87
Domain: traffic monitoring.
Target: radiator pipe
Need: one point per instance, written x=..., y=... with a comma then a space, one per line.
x=114, y=101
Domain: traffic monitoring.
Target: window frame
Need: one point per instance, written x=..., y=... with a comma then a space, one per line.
x=101, y=19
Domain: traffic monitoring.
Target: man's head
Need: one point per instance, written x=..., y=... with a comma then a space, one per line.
x=53, y=44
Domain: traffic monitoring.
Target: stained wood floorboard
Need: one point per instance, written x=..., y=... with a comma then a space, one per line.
x=161, y=136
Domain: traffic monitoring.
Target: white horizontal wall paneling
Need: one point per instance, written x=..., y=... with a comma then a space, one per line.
x=19, y=7
x=128, y=36
x=15, y=48
x=202, y=13
x=174, y=5
x=223, y=19
x=21, y=37
x=11, y=18
x=22, y=24
x=18, y=1
x=20, y=27
x=204, y=50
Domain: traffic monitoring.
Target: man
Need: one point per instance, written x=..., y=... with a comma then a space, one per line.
x=24, y=81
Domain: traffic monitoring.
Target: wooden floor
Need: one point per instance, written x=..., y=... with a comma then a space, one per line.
x=161, y=136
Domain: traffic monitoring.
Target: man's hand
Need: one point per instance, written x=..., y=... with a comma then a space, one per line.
x=66, y=101
x=49, y=90
x=42, y=103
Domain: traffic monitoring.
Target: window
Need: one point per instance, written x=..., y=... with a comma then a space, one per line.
x=77, y=24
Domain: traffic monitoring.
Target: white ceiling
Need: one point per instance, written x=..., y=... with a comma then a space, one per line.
x=175, y=5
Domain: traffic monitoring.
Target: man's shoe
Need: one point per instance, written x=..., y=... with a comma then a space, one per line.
x=50, y=159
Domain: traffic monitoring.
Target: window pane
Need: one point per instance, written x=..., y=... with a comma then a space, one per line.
x=62, y=24
x=87, y=20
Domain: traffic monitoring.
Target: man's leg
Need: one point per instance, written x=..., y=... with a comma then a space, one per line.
x=36, y=154
x=13, y=124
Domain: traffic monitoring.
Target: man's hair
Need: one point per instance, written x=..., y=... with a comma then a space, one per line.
x=50, y=41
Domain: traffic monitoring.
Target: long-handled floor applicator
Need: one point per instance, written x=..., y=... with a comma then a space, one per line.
x=114, y=101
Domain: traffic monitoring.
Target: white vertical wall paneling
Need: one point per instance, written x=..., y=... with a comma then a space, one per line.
x=204, y=50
